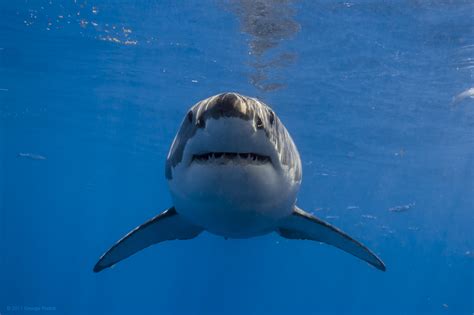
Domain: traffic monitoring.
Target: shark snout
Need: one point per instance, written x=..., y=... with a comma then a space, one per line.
x=228, y=105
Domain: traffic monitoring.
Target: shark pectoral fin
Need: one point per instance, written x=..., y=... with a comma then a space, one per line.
x=166, y=226
x=302, y=225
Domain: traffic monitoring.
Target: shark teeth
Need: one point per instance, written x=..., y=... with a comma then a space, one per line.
x=230, y=156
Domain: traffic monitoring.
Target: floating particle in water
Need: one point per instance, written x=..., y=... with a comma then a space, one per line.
x=368, y=216
x=402, y=208
x=31, y=156
x=95, y=10
x=326, y=173
x=400, y=153
x=389, y=233
x=352, y=207
x=469, y=254
x=445, y=305
x=194, y=81
x=130, y=42
x=335, y=217
x=110, y=39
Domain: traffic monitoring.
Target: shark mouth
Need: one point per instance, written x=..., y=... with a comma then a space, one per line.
x=225, y=157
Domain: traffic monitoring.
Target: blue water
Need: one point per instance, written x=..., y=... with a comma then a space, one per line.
x=92, y=94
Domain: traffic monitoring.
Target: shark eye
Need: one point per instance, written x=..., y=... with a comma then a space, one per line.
x=259, y=123
x=190, y=116
x=271, y=117
x=201, y=123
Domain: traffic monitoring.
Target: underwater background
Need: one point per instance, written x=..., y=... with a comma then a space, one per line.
x=378, y=96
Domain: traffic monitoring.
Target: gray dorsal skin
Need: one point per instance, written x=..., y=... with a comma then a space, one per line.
x=254, y=196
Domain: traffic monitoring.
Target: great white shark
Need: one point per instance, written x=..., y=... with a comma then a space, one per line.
x=233, y=170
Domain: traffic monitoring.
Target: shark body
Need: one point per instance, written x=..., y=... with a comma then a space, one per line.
x=233, y=170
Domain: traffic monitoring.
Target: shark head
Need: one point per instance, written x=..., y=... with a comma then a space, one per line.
x=232, y=152
x=230, y=127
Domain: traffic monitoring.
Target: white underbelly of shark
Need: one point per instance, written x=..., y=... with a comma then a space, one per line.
x=233, y=197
